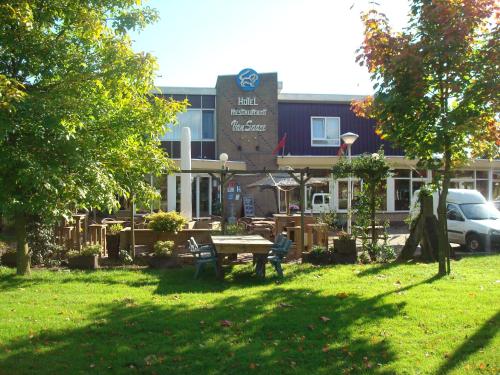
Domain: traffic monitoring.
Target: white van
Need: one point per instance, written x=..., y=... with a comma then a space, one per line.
x=320, y=203
x=472, y=221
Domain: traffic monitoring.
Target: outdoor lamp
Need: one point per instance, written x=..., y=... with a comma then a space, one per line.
x=349, y=138
x=223, y=158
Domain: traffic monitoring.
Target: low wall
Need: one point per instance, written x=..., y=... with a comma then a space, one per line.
x=148, y=237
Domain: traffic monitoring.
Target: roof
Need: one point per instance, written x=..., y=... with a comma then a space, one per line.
x=165, y=90
x=324, y=98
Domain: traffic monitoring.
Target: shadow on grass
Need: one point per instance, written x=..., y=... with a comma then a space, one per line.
x=379, y=268
x=274, y=332
x=168, y=281
x=474, y=343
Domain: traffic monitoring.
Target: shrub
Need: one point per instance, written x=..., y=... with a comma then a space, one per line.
x=364, y=257
x=235, y=229
x=73, y=253
x=317, y=249
x=125, y=257
x=91, y=250
x=115, y=229
x=166, y=221
x=345, y=236
x=41, y=241
x=163, y=248
x=329, y=218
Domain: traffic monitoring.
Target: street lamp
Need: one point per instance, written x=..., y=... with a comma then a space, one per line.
x=349, y=138
x=223, y=158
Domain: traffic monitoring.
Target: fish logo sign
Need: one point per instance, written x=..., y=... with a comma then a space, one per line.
x=247, y=79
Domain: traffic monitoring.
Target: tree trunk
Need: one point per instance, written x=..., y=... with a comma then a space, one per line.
x=443, y=249
x=23, y=256
x=373, y=209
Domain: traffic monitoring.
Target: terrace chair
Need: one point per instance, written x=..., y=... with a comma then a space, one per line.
x=277, y=254
x=203, y=254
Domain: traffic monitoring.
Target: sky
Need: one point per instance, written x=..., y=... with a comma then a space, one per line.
x=311, y=44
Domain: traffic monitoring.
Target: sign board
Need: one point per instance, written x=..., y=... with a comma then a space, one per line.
x=248, y=206
x=247, y=79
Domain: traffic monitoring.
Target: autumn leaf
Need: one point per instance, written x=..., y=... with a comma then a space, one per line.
x=342, y=295
x=325, y=349
x=324, y=319
x=252, y=366
x=226, y=323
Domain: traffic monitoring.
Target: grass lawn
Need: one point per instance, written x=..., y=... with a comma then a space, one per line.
x=320, y=320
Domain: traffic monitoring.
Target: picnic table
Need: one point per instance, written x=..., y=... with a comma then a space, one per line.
x=255, y=244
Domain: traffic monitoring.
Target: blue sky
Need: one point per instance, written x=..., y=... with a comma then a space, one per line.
x=310, y=43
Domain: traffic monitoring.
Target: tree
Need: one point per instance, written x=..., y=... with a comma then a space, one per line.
x=436, y=87
x=373, y=170
x=83, y=127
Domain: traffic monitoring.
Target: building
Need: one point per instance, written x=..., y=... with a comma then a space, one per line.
x=246, y=115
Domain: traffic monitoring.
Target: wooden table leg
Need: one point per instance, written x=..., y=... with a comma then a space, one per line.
x=220, y=270
x=260, y=267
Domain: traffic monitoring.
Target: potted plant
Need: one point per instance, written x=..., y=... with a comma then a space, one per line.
x=87, y=259
x=318, y=255
x=294, y=208
x=162, y=256
x=113, y=240
x=345, y=248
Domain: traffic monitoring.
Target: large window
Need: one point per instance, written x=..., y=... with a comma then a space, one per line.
x=201, y=123
x=325, y=131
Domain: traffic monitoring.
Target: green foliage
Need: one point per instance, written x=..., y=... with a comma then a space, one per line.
x=125, y=257
x=114, y=229
x=373, y=171
x=91, y=250
x=73, y=253
x=329, y=218
x=344, y=236
x=436, y=87
x=42, y=242
x=166, y=221
x=364, y=257
x=317, y=249
x=79, y=127
x=235, y=229
x=163, y=248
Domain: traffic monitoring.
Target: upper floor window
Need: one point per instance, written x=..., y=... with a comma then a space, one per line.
x=325, y=131
x=201, y=123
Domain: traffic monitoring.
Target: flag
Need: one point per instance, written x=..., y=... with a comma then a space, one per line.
x=280, y=145
x=342, y=148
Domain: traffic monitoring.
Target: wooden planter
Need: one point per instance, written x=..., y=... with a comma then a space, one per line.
x=318, y=258
x=9, y=259
x=113, y=245
x=84, y=262
x=345, y=251
x=344, y=246
x=163, y=262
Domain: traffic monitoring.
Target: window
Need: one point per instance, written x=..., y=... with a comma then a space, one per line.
x=325, y=131
x=200, y=122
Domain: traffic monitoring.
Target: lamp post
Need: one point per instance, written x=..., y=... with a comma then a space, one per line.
x=349, y=138
x=223, y=172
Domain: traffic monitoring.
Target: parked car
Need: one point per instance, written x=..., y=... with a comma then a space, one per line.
x=497, y=204
x=320, y=203
x=472, y=220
